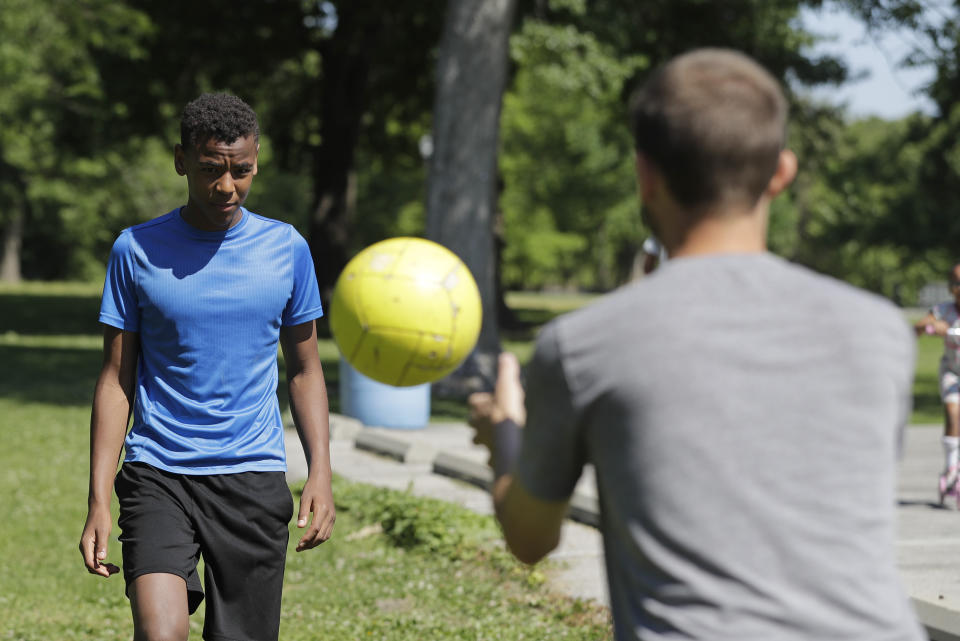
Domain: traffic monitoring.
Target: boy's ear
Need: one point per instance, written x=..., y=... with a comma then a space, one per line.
x=178, y=160
x=785, y=173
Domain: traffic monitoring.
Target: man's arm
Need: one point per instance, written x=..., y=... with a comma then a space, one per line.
x=112, y=400
x=531, y=526
x=311, y=415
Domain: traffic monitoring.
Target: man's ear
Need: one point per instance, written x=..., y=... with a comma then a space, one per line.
x=256, y=160
x=647, y=177
x=785, y=173
x=178, y=160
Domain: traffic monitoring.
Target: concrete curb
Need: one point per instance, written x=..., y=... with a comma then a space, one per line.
x=940, y=623
x=584, y=508
x=463, y=469
x=394, y=447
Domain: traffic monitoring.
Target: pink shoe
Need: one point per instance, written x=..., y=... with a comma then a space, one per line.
x=948, y=485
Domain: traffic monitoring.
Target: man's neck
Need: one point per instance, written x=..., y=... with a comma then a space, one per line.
x=729, y=232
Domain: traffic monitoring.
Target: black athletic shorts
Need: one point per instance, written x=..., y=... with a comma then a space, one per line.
x=236, y=522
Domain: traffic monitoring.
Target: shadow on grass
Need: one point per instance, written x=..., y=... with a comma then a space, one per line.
x=49, y=375
x=928, y=406
x=53, y=314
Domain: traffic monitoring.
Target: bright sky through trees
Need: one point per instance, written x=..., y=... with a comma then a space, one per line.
x=886, y=88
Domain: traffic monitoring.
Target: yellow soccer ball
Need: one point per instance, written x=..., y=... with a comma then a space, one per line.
x=405, y=311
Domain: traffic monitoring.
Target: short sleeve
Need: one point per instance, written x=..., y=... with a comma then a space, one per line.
x=304, y=302
x=944, y=311
x=119, y=306
x=552, y=456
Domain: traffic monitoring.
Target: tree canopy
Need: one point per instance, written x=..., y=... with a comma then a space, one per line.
x=344, y=90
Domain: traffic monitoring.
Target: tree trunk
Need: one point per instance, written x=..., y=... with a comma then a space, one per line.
x=462, y=189
x=345, y=70
x=10, y=244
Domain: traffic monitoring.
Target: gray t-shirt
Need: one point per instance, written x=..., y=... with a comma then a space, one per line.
x=744, y=416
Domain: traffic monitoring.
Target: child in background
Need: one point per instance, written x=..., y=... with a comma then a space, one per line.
x=943, y=319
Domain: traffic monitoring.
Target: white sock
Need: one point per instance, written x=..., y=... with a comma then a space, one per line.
x=951, y=451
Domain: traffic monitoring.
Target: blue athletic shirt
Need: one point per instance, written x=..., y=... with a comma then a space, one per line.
x=208, y=306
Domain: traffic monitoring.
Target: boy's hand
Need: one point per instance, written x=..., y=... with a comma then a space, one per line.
x=93, y=542
x=316, y=499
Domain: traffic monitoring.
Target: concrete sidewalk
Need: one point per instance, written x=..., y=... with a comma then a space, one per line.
x=441, y=461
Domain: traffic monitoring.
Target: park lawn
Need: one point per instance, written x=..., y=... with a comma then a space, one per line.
x=927, y=407
x=444, y=576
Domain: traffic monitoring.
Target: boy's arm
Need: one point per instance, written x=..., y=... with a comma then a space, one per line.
x=112, y=400
x=308, y=404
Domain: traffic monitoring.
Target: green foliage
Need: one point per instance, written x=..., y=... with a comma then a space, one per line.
x=856, y=207
x=410, y=522
x=569, y=201
x=278, y=192
x=565, y=215
x=92, y=89
x=63, y=174
x=80, y=211
x=390, y=191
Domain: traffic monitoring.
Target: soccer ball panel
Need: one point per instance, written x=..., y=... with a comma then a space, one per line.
x=405, y=311
x=403, y=303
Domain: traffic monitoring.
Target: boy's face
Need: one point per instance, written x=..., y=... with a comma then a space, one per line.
x=955, y=283
x=219, y=175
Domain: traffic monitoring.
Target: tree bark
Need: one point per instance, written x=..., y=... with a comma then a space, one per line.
x=462, y=189
x=11, y=232
x=345, y=73
x=10, y=245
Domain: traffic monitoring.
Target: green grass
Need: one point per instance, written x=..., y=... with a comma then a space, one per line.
x=927, y=407
x=433, y=571
x=438, y=575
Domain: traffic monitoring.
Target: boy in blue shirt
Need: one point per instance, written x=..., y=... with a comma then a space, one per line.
x=194, y=305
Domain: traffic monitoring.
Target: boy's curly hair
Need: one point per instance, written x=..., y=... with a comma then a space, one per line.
x=219, y=116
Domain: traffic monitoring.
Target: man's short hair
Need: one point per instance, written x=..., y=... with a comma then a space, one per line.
x=713, y=122
x=219, y=116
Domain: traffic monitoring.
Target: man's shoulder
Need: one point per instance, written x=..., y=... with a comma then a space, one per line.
x=771, y=279
x=843, y=294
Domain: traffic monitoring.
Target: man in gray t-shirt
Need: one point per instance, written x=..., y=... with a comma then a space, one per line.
x=743, y=414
